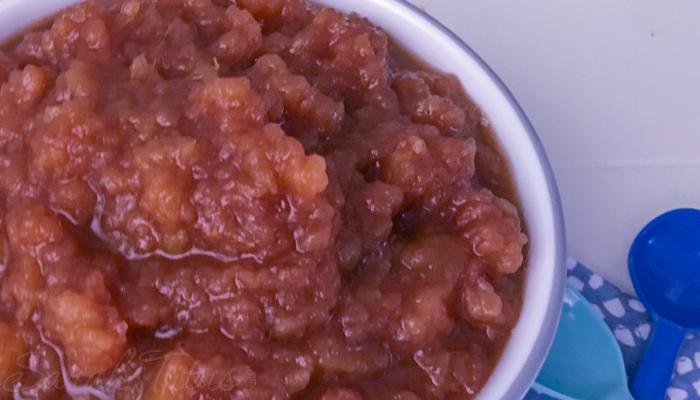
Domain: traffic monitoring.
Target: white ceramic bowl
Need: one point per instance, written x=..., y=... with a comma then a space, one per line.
x=424, y=36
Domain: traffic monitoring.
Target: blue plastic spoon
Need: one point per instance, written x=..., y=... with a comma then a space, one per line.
x=664, y=262
x=585, y=362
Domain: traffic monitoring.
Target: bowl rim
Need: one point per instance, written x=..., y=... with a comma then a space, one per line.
x=532, y=365
x=545, y=339
x=29, y=12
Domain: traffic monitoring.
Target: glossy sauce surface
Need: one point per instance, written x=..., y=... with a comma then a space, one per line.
x=259, y=199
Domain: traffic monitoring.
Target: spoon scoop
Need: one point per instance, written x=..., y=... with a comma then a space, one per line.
x=585, y=361
x=664, y=263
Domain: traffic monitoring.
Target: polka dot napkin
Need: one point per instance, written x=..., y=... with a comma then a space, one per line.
x=631, y=325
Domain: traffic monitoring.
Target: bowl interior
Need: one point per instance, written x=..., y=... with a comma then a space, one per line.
x=533, y=335
x=423, y=36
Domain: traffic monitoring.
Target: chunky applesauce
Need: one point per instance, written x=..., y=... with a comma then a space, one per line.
x=245, y=199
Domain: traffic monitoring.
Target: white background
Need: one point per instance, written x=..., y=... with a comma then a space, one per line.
x=613, y=90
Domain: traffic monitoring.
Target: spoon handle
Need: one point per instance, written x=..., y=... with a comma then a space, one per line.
x=654, y=373
x=624, y=395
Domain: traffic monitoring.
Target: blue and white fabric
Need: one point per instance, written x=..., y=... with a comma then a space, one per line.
x=631, y=325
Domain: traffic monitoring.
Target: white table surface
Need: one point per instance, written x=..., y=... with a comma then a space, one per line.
x=613, y=90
